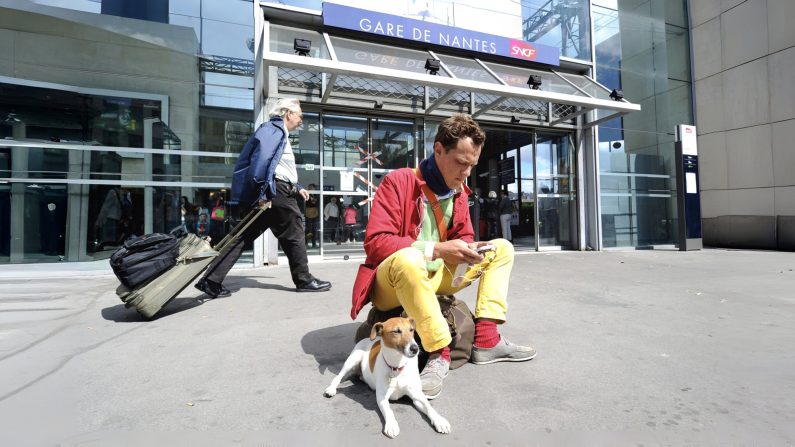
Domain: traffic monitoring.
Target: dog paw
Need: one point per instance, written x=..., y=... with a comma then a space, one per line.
x=391, y=429
x=330, y=392
x=441, y=425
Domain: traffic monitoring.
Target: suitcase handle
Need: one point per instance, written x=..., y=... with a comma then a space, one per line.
x=240, y=228
x=196, y=256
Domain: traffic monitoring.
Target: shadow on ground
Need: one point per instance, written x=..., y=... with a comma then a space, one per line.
x=190, y=298
x=121, y=314
x=330, y=346
x=236, y=283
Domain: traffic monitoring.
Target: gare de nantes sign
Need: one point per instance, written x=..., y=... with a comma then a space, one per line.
x=356, y=19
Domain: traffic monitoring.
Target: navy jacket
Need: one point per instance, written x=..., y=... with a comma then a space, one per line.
x=253, y=178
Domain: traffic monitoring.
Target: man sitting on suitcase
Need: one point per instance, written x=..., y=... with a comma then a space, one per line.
x=265, y=177
x=418, y=233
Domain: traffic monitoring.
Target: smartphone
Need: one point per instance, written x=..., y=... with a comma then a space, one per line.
x=485, y=248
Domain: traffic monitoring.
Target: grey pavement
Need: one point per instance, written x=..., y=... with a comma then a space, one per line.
x=638, y=347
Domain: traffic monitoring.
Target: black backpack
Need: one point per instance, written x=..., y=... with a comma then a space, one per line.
x=144, y=258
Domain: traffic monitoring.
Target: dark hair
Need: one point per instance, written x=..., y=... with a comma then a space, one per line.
x=457, y=127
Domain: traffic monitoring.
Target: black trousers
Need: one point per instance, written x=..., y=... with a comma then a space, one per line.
x=285, y=219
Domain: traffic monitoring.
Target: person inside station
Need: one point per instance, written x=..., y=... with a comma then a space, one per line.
x=351, y=220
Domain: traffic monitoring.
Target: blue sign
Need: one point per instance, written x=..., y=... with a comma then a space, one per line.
x=433, y=33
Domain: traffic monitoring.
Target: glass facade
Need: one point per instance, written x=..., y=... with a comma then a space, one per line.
x=642, y=49
x=223, y=28
x=148, y=142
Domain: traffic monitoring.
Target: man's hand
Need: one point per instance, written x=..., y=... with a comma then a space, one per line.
x=264, y=204
x=456, y=252
x=304, y=193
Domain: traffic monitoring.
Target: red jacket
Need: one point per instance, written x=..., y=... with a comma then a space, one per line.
x=396, y=214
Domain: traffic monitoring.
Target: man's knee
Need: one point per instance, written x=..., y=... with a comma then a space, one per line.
x=503, y=247
x=408, y=261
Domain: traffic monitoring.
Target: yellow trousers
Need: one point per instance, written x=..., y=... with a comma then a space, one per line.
x=403, y=280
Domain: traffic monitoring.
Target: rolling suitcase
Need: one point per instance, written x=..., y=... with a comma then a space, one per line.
x=195, y=254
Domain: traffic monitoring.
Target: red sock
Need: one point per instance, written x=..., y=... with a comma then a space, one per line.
x=444, y=353
x=486, y=335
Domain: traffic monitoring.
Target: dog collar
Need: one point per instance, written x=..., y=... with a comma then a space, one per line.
x=395, y=371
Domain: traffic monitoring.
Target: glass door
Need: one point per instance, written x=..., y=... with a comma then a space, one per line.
x=344, y=182
x=554, y=191
x=357, y=153
x=393, y=147
x=525, y=235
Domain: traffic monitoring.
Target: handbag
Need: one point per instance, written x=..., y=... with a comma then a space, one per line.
x=462, y=328
x=459, y=319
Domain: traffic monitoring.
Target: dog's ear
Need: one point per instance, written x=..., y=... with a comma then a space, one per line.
x=376, y=331
x=412, y=323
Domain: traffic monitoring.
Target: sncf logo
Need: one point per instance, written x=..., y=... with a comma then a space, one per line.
x=522, y=50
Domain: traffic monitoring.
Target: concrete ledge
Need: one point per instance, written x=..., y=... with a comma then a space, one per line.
x=757, y=232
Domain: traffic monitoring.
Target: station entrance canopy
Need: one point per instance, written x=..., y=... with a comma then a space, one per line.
x=354, y=73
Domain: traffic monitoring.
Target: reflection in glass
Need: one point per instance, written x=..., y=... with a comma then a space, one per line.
x=431, y=128
x=636, y=151
x=376, y=55
x=394, y=141
x=227, y=39
x=35, y=214
x=553, y=221
x=305, y=142
x=587, y=85
x=5, y=222
x=559, y=23
x=517, y=77
x=555, y=192
x=283, y=37
x=637, y=197
x=552, y=155
x=527, y=163
x=228, y=91
x=233, y=11
x=185, y=7
x=345, y=180
x=221, y=130
x=182, y=20
x=72, y=117
x=343, y=137
x=468, y=69
x=5, y=161
x=114, y=215
x=46, y=162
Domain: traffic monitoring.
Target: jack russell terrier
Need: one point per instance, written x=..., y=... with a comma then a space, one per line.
x=388, y=363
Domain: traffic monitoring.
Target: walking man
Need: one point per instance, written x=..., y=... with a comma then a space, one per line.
x=265, y=176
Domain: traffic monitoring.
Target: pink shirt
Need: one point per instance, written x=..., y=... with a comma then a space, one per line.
x=350, y=216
